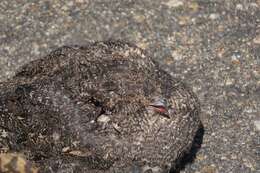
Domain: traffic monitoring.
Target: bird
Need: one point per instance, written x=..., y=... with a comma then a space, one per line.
x=102, y=107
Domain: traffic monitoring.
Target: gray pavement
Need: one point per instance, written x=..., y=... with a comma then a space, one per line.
x=213, y=45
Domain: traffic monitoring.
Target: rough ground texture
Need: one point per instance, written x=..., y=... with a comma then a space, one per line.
x=213, y=45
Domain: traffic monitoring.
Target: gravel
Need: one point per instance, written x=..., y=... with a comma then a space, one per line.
x=213, y=45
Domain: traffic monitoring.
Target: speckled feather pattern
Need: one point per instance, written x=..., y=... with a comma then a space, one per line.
x=87, y=109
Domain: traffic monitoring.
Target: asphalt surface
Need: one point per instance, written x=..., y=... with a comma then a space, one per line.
x=213, y=45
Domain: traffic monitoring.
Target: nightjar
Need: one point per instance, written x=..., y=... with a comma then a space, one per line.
x=105, y=107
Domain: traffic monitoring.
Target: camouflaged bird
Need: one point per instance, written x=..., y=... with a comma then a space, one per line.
x=101, y=108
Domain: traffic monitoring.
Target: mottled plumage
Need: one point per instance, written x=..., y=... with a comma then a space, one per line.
x=104, y=107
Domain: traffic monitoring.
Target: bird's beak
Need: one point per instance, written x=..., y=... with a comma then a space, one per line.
x=160, y=107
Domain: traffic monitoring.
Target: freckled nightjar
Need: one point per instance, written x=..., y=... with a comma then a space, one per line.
x=105, y=107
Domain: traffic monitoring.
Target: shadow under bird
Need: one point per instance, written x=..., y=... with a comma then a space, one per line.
x=105, y=107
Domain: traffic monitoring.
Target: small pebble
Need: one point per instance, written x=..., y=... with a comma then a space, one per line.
x=257, y=124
